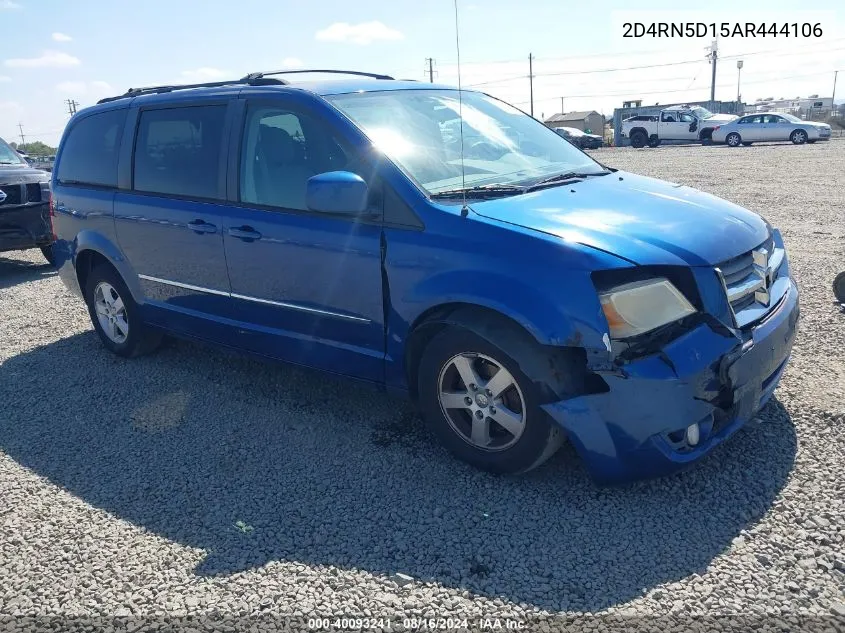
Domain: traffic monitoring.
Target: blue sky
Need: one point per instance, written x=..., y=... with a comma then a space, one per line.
x=54, y=50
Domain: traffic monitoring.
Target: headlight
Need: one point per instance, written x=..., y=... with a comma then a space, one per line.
x=642, y=306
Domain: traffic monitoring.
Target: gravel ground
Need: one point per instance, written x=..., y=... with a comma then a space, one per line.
x=196, y=481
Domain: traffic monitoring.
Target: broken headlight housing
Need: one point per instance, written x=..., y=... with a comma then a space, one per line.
x=641, y=306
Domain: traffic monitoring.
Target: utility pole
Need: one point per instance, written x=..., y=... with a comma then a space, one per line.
x=23, y=138
x=430, y=69
x=738, y=74
x=833, y=98
x=561, y=105
x=531, y=80
x=713, y=56
x=71, y=106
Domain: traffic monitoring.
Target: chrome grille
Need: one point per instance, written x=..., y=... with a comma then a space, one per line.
x=748, y=278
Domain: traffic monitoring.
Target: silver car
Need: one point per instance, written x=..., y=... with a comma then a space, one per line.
x=769, y=126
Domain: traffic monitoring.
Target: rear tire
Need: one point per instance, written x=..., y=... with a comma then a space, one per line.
x=839, y=287
x=47, y=251
x=638, y=139
x=115, y=315
x=798, y=137
x=733, y=139
x=466, y=417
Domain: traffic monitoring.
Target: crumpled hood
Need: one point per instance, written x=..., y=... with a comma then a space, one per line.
x=644, y=220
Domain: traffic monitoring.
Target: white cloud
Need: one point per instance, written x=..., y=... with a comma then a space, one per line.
x=362, y=34
x=292, y=62
x=48, y=59
x=61, y=37
x=205, y=73
x=9, y=4
x=5, y=78
x=94, y=89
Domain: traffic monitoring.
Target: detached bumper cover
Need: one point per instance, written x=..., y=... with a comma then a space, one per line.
x=635, y=430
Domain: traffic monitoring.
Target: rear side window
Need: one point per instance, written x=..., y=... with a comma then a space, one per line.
x=177, y=151
x=90, y=151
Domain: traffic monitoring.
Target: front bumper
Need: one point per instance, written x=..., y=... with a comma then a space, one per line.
x=718, y=380
x=24, y=226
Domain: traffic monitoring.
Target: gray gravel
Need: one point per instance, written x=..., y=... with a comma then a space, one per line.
x=196, y=481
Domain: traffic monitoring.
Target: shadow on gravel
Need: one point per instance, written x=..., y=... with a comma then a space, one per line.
x=17, y=271
x=254, y=462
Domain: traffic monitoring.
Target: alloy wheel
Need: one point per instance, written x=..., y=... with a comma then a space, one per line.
x=481, y=401
x=111, y=312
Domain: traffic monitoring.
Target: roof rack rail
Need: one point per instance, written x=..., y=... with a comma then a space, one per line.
x=248, y=80
x=261, y=75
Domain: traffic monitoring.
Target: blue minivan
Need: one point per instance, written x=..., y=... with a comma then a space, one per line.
x=435, y=242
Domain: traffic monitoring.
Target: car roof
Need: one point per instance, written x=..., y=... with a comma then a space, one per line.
x=325, y=88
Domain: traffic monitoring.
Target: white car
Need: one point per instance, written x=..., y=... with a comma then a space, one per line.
x=769, y=126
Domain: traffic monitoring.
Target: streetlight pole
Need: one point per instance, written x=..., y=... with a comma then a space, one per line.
x=738, y=75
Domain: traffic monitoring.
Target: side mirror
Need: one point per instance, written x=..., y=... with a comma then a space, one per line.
x=337, y=192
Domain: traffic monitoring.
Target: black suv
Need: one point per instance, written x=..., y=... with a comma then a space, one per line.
x=24, y=204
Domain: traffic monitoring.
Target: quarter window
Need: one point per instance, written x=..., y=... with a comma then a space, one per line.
x=281, y=151
x=178, y=151
x=90, y=151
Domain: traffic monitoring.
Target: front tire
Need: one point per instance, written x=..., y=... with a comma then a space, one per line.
x=839, y=287
x=481, y=406
x=798, y=137
x=638, y=140
x=733, y=139
x=653, y=141
x=115, y=315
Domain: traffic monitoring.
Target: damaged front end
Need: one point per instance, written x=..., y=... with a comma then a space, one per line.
x=676, y=393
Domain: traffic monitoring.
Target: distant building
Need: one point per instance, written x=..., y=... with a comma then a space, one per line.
x=583, y=121
x=812, y=105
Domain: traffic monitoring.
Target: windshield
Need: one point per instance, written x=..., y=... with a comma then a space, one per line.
x=420, y=130
x=791, y=118
x=701, y=113
x=8, y=156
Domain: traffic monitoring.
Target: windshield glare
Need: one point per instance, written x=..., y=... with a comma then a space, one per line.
x=791, y=118
x=420, y=130
x=8, y=156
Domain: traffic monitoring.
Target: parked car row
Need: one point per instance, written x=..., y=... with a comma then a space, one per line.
x=694, y=123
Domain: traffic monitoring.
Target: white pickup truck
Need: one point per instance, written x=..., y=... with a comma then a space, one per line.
x=675, y=123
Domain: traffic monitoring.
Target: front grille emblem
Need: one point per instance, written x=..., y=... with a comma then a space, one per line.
x=3, y=196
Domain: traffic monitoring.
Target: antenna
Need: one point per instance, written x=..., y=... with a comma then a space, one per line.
x=464, y=208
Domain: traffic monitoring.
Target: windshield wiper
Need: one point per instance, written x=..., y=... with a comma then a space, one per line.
x=479, y=191
x=558, y=178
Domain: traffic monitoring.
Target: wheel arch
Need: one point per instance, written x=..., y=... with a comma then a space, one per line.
x=558, y=371
x=92, y=248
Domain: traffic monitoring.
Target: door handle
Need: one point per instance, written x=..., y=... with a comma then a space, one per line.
x=245, y=233
x=201, y=226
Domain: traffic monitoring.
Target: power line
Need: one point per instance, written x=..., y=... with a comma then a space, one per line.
x=660, y=92
x=585, y=72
